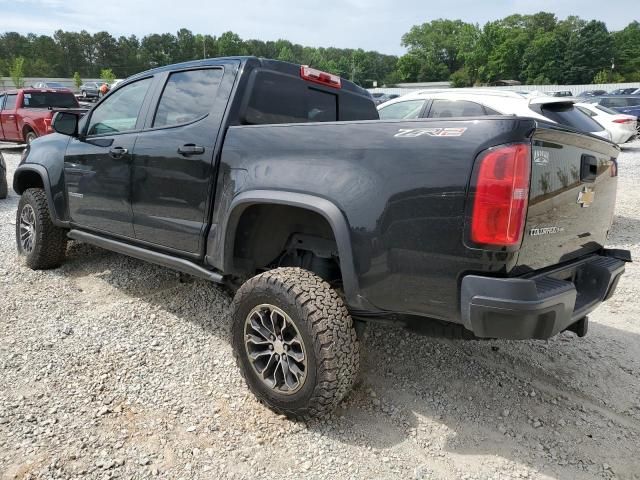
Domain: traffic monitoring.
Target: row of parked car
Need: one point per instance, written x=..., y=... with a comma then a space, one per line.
x=613, y=117
x=87, y=91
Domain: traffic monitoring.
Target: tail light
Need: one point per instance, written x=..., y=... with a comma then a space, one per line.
x=502, y=196
x=624, y=120
x=47, y=125
x=318, y=76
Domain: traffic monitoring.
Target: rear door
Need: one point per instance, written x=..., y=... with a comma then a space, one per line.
x=8, y=118
x=174, y=168
x=572, y=197
x=98, y=164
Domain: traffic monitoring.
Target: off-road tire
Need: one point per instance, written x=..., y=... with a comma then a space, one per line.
x=328, y=332
x=4, y=187
x=50, y=242
x=30, y=136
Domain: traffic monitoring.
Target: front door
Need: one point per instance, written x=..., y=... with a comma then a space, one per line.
x=8, y=118
x=173, y=167
x=98, y=163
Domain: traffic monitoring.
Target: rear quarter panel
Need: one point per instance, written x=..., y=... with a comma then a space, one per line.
x=401, y=186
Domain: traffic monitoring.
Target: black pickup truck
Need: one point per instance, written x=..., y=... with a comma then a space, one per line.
x=281, y=181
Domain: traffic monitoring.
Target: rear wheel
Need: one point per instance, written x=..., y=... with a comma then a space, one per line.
x=41, y=243
x=84, y=94
x=294, y=342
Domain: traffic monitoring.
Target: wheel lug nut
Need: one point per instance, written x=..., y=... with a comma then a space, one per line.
x=270, y=347
x=286, y=347
x=277, y=356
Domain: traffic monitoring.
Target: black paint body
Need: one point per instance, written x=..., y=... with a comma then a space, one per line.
x=398, y=205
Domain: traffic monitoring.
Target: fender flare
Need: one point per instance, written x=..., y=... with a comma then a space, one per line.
x=322, y=206
x=44, y=176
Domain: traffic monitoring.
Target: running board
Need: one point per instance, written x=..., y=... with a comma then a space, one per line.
x=162, y=259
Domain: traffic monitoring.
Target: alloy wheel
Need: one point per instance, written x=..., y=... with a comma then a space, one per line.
x=275, y=349
x=27, y=228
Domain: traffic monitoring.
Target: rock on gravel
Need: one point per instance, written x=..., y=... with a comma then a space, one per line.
x=113, y=368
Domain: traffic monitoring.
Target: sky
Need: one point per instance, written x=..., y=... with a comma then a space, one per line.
x=368, y=24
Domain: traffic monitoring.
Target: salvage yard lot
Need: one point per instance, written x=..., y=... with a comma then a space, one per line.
x=110, y=367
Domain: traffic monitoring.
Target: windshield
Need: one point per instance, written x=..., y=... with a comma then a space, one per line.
x=49, y=99
x=567, y=114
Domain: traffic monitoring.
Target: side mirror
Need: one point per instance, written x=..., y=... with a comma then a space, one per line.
x=66, y=123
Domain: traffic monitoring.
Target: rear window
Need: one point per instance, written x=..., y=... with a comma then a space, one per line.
x=567, y=114
x=282, y=98
x=49, y=99
x=279, y=98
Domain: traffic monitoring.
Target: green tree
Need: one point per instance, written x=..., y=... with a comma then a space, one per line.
x=461, y=78
x=442, y=41
x=589, y=50
x=107, y=75
x=16, y=72
x=627, y=51
x=77, y=81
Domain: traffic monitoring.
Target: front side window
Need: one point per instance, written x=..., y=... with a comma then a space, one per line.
x=11, y=101
x=402, y=110
x=119, y=112
x=455, y=108
x=187, y=96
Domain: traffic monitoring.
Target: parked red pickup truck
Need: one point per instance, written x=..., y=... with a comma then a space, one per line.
x=26, y=114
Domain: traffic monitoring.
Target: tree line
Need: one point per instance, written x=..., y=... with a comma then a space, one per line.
x=535, y=48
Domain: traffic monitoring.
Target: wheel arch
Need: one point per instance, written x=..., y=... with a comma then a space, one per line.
x=323, y=207
x=36, y=176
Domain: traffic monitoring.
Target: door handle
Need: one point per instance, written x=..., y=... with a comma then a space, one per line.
x=117, y=152
x=190, y=149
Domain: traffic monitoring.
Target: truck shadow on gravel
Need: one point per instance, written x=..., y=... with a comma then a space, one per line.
x=566, y=407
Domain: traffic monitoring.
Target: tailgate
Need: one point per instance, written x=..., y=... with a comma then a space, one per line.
x=572, y=197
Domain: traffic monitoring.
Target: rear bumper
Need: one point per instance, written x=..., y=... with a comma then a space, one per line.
x=541, y=305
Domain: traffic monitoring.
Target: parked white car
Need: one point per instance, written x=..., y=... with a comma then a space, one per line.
x=621, y=127
x=473, y=102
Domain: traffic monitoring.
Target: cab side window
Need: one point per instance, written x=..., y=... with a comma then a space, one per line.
x=187, y=96
x=119, y=112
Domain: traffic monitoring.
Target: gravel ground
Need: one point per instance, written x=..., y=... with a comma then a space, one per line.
x=113, y=368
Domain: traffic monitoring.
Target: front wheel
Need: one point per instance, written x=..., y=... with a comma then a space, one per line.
x=42, y=243
x=294, y=342
x=30, y=136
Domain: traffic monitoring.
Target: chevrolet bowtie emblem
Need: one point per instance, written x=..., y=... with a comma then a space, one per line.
x=585, y=197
